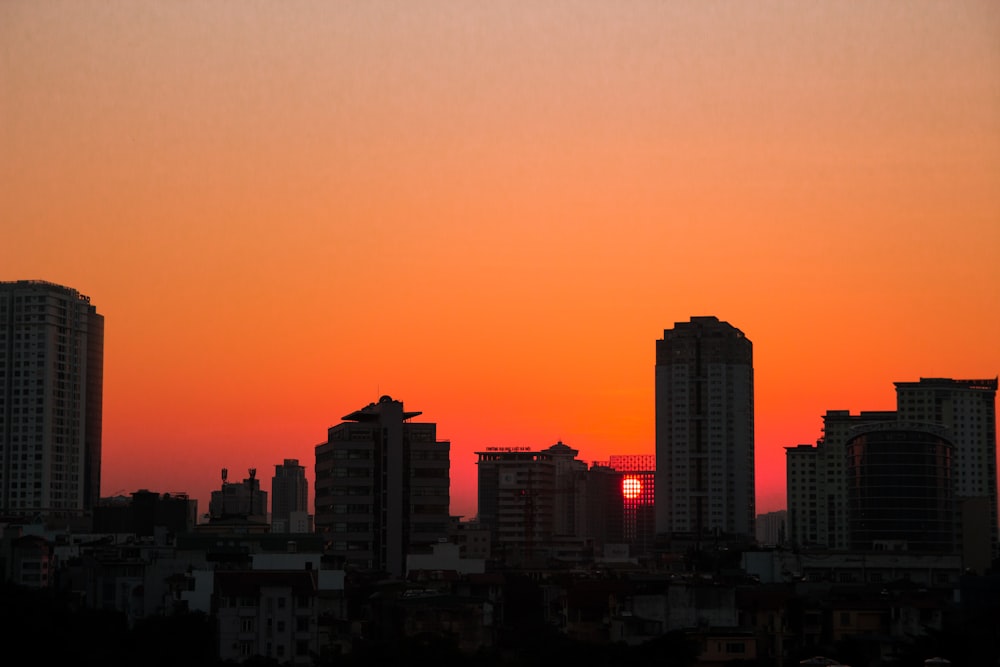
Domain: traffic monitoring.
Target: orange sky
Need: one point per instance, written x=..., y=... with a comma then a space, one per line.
x=491, y=211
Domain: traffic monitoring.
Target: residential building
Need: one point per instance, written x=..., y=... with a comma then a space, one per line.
x=289, y=495
x=816, y=481
x=51, y=385
x=704, y=430
x=382, y=487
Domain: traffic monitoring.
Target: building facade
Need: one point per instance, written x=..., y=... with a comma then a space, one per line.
x=968, y=409
x=816, y=481
x=638, y=492
x=289, y=494
x=900, y=488
x=819, y=478
x=382, y=487
x=51, y=388
x=704, y=430
x=534, y=503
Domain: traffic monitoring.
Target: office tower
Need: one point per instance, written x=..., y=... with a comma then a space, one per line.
x=968, y=409
x=816, y=481
x=704, y=430
x=51, y=384
x=533, y=502
x=289, y=494
x=899, y=488
x=239, y=501
x=382, y=487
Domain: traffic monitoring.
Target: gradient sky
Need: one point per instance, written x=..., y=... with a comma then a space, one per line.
x=491, y=211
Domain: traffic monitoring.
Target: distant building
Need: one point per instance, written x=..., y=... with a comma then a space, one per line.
x=638, y=497
x=289, y=496
x=771, y=528
x=606, y=513
x=704, y=430
x=51, y=386
x=533, y=502
x=239, y=500
x=382, y=487
x=144, y=512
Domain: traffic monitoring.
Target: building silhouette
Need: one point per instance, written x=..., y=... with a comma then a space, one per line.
x=289, y=497
x=638, y=498
x=968, y=409
x=239, y=501
x=51, y=386
x=382, y=487
x=900, y=488
x=704, y=430
x=534, y=503
x=816, y=481
x=819, y=477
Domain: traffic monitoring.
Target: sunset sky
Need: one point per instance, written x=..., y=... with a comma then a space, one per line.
x=492, y=210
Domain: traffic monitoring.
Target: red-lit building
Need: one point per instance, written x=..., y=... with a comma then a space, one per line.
x=638, y=487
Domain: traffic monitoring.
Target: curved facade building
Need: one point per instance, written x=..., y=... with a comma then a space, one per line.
x=900, y=493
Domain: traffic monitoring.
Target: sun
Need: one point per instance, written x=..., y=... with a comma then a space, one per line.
x=631, y=487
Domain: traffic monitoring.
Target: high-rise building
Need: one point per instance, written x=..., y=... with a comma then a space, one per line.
x=816, y=481
x=968, y=409
x=820, y=510
x=289, y=494
x=382, y=487
x=51, y=386
x=704, y=430
x=534, y=503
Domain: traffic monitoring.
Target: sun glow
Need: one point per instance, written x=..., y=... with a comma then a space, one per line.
x=631, y=487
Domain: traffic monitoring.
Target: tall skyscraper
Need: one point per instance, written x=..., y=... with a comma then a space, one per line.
x=704, y=430
x=51, y=386
x=382, y=487
x=289, y=492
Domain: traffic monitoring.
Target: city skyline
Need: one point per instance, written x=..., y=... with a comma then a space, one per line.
x=492, y=213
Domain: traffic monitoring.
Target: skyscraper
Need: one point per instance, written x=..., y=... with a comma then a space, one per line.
x=704, y=430
x=51, y=385
x=289, y=492
x=382, y=487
